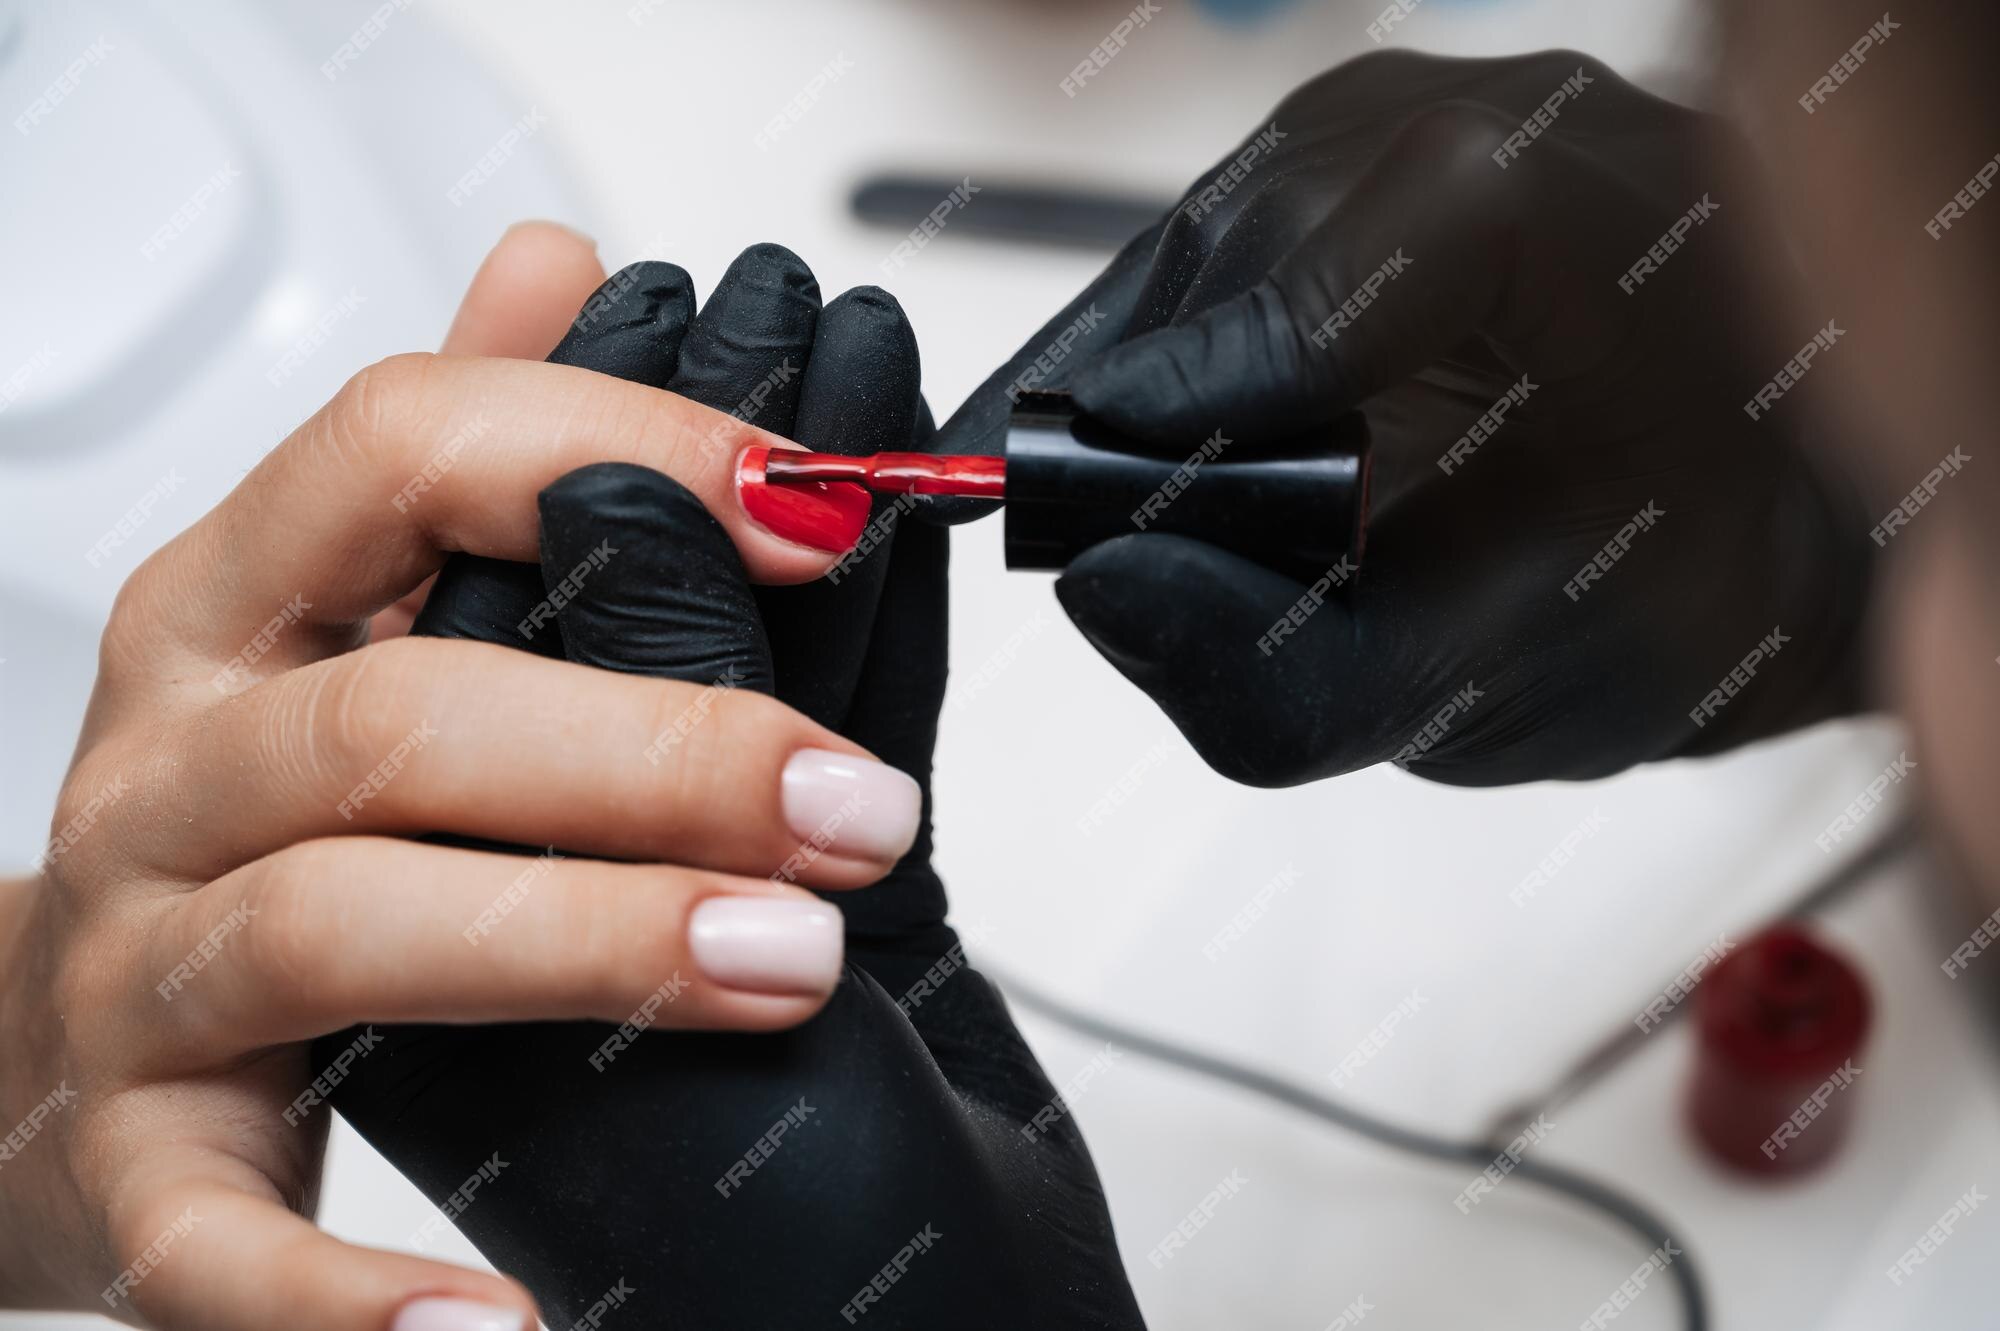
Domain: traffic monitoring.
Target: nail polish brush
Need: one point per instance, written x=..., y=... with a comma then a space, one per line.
x=1069, y=482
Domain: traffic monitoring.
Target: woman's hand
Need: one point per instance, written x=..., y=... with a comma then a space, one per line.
x=672, y=1167
x=231, y=874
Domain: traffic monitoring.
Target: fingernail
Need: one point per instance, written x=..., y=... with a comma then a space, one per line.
x=774, y=945
x=821, y=514
x=458, y=1315
x=851, y=806
x=559, y=226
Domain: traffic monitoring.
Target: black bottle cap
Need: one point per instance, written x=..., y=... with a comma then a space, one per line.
x=1298, y=507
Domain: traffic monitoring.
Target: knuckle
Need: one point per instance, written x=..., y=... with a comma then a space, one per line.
x=343, y=719
x=72, y=857
x=380, y=406
x=1459, y=145
x=1461, y=130
x=1310, y=99
x=1562, y=61
x=137, y=633
x=283, y=949
x=127, y=631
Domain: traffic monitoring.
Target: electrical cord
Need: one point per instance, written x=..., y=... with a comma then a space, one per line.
x=1898, y=836
x=1598, y=1196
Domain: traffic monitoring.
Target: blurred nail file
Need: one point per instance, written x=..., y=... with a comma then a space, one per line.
x=1046, y=214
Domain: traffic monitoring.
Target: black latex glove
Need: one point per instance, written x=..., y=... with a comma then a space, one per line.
x=1229, y=317
x=619, y=1170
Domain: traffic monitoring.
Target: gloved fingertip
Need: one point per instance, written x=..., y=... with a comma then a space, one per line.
x=637, y=294
x=652, y=275
x=862, y=385
x=868, y=325
x=771, y=267
x=871, y=298
x=632, y=325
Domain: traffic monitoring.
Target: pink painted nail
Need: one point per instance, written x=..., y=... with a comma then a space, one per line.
x=458, y=1315
x=772, y=945
x=851, y=806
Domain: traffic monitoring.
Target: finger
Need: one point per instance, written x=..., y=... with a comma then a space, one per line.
x=747, y=352
x=206, y=1245
x=1189, y=241
x=861, y=394
x=897, y=700
x=681, y=607
x=400, y=738
x=1087, y=326
x=631, y=327
x=325, y=532
x=674, y=604
x=523, y=295
x=519, y=303
x=1413, y=261
x=1140, y=290
x=1247, y=229
x=334, y=932
x=1257, y=694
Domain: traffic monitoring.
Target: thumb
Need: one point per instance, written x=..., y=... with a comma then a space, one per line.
x=1411, y=262
x=525, y=293
x=1246, y=662
x=647, y=582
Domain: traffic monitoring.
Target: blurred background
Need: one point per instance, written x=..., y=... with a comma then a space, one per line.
x=269, y=199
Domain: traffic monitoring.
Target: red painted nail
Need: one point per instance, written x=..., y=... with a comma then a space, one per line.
x=826, y=515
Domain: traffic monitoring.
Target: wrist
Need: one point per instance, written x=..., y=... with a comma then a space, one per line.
x=32, y=1204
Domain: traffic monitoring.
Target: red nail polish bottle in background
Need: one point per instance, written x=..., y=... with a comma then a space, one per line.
x=1779, y=1024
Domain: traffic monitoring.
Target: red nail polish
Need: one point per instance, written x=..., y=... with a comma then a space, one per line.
x=826, y=515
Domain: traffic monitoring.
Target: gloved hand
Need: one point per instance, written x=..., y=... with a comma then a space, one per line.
x=1584, y=552
x=763, y=1181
